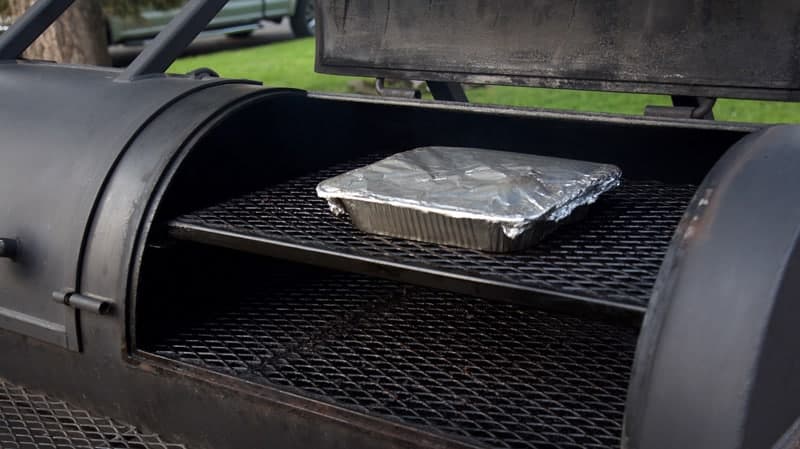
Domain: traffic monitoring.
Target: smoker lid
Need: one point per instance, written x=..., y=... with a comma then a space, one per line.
x=719, y=48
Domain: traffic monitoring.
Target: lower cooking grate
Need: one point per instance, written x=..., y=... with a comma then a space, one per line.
x=612, y=258
x=33, y=421
x=495, y=375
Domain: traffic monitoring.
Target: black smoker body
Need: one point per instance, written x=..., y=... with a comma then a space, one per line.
x=166, y=262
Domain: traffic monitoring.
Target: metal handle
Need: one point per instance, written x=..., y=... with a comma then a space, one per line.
x=30, y=25
x=8, y=248
x=173, y=40
x=82, y=302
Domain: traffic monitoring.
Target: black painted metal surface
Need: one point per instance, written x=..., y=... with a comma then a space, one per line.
x=34, y=421
x=496, y=375
x=53, y=170
x=717, y=365
x=610, y=259
x=64, y=147
x=370, y=358
x=727, y=48
x=791, y=438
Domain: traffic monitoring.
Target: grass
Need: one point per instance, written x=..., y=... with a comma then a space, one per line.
x=291, y=64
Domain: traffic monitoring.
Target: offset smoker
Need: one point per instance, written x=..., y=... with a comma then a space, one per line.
x=168, y=263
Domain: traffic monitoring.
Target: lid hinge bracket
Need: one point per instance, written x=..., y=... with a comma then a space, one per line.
x=684, y=107
x=395, y=92
x=440, y=90
x=446, y=91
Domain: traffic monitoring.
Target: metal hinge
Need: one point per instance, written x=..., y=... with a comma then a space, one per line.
x=445, y=91
x=440, y=90
x=82, y=302
x=684, y=107
x=384, y=91
x=8, y=248
x=202, y=73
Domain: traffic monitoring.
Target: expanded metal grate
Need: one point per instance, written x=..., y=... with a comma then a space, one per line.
x=34, y=421
x=613, y=256
x=496, y=375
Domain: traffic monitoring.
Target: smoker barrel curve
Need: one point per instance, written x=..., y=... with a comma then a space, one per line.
x=724, y=312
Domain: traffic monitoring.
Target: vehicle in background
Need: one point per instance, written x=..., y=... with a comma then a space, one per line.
x=239, y=18
x=5, y=22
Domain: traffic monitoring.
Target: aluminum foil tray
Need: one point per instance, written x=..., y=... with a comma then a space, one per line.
x=473, y=198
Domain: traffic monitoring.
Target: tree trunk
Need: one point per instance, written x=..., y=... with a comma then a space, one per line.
x=77, y=37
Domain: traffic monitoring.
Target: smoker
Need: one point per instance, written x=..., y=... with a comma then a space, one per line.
x=166, y=262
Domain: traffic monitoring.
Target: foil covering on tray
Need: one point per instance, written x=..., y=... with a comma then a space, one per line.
x=482, y=199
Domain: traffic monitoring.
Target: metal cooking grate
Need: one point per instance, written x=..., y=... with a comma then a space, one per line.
x=496, y=375
x=33, y=421
x=612, y=257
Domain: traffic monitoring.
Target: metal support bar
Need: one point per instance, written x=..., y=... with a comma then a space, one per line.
x=445, y=91
x=702, y=107
x=173, y=40
x=685, y=107
x=29, y=26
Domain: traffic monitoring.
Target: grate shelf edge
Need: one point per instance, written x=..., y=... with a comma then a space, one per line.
x=488, y=374
x=607, y=262
x=31, y=420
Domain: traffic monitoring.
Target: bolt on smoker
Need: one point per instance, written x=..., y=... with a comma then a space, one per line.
x=166, y=262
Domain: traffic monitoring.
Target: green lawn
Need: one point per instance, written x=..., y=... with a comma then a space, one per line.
x=291, y=64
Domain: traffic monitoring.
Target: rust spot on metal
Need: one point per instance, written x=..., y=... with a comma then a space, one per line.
x=699, y=214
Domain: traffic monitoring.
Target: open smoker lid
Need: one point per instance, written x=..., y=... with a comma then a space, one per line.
x=716, y=48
